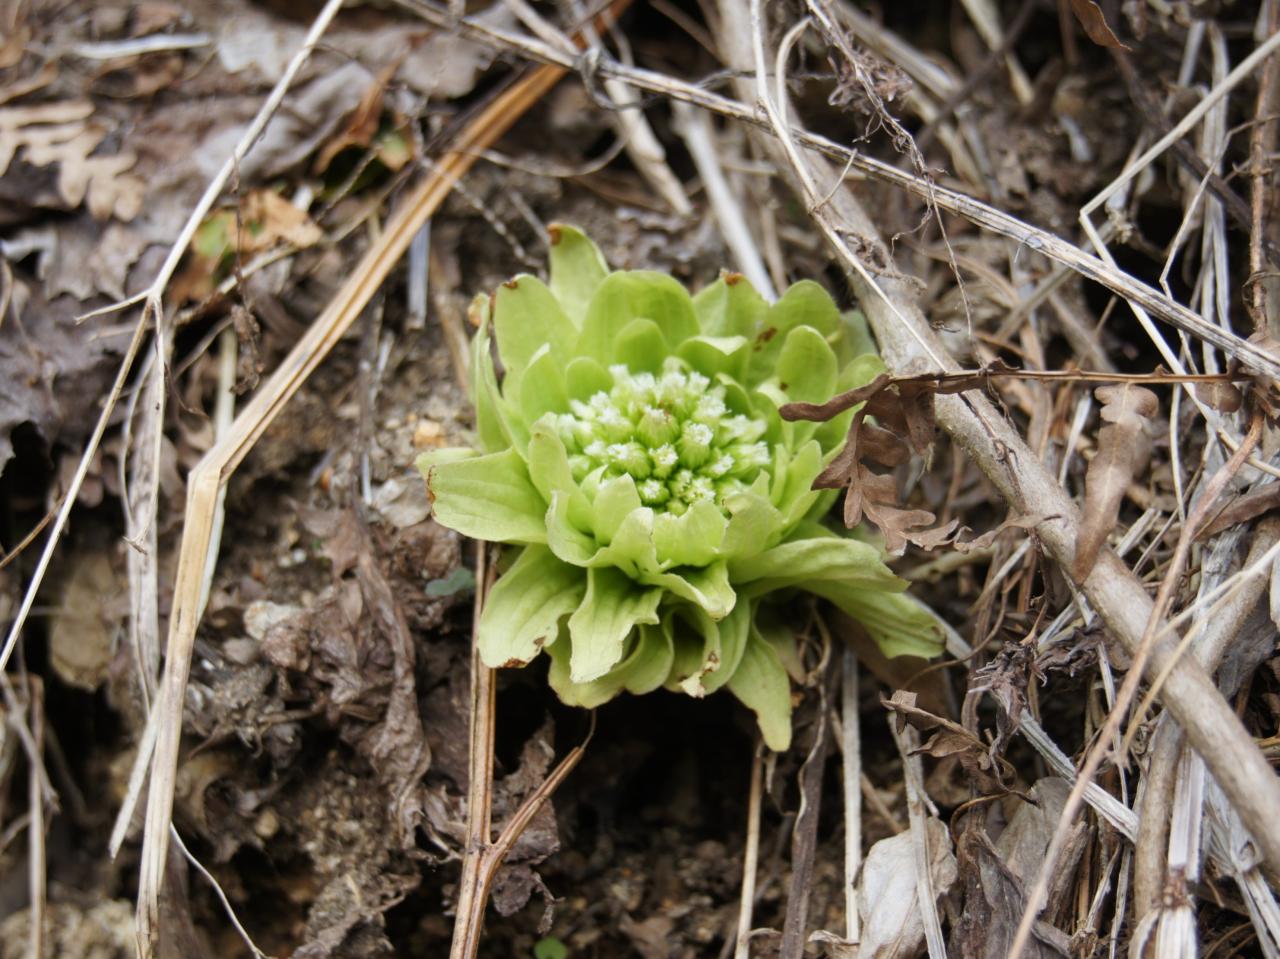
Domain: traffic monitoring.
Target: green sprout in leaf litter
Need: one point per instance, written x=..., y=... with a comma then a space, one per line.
x=662, y=512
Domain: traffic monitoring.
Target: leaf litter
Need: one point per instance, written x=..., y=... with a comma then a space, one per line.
x=325, y=766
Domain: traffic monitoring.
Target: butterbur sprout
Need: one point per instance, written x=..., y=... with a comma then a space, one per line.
x=661, y=513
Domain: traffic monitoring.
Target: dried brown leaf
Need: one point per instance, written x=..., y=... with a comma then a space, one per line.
x=994, y=899
x=1095, y=24
x=1026, y=524
x=270, y=219
x=905, y=424
x=1219, y=395
x=64, y=134
x=907, y=411
x=362, y=123
x=988, y=772
x=1243, y=508
x=888, y=890
x=1122, y=451
x=916, y=404
x=900, y=526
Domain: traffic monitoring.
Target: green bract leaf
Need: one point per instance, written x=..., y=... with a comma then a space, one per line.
x=708, y=652
x=598, y=630
x=794, y=494
x=730, y=306
x=486, y=497
x=644, y=667
x=667, y=512
x=708, y=588
x=806, y=367
x=550, y=473
x=691, y=539
x=638, y=294
x=713, y=355
x=899, y=624
x=577, y=270
x=804, y=304
x=522, y=612
x=494, y=433
x=808, y=560
x=642, y=344
x=764, y=688
x=754, y=525
x=616, y=500
x=806, y=373
x=585, y=377
x=527, y=317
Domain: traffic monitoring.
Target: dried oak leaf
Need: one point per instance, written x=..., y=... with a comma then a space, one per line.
x=1123, y=448
x=988, y=771
x=64, y=134
x=905, y=424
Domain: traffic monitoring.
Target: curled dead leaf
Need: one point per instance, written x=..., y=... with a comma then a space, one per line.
x=1095, y=24
x=1219, y=395
x=988, y=771
x=1123, y=448
x=889, y=886
x=905, y=425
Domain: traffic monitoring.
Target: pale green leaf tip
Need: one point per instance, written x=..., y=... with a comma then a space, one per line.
x=425, y=462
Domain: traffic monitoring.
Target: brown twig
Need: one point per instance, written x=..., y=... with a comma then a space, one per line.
x=960, y=380
x=482, y=857
x=470, y=906
x=1129, y=689
x=1262, y=144
x=804, y=836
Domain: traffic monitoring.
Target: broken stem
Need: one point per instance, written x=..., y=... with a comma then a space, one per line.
x=851, y=766
x=471, y=891
x=750, y=857
x=482, y=856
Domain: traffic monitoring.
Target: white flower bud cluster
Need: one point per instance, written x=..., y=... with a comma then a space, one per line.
x=672, y=433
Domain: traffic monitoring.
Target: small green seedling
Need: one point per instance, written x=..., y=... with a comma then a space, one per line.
x=662, y=513
x=550, y=948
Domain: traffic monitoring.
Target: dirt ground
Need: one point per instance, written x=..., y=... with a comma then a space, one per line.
x=324, y=753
